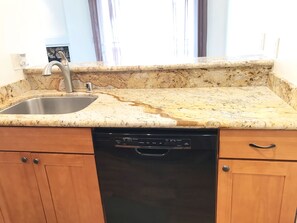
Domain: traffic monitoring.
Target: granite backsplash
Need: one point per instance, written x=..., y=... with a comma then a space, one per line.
x=204, y=73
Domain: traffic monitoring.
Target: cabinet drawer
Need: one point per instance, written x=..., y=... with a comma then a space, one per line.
x=236, y=144
x=40, y=139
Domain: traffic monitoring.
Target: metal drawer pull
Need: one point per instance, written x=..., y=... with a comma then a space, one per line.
x=271, y=146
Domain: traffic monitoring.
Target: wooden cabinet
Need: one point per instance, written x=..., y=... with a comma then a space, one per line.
x=257, y=185
x=49, y=187
x=20, y=199
x=253, y=191
x=69, y=189
x=236, y=144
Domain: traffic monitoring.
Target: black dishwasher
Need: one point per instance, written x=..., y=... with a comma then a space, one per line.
x=157, y=175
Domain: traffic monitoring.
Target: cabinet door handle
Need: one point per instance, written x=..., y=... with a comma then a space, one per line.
x=36, y=161
x=24, y=159
x=271, y=146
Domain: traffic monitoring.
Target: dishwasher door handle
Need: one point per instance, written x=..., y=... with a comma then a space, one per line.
x=152, y=152
x=148, y=150
x=152, y=147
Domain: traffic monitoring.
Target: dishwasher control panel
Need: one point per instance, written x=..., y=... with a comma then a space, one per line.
x=181, y=143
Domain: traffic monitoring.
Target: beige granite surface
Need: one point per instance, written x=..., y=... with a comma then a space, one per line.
x=13, y=90
x=224, y=107
x=193, y=63
x=201, y=72
x=204, y=93
x=284, y=89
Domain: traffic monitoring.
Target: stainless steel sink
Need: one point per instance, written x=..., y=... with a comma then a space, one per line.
x=50, y=105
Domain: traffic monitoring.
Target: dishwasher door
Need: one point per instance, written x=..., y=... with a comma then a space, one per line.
x=157, y=176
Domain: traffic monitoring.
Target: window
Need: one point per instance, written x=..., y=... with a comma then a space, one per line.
x=147, y=31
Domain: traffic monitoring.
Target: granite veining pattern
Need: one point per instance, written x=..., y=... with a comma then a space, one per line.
x=13, y=90
x=228, y=77
x=232, y=107
x=204, y=93
x=285, y=90
x=203, y=72
x=198, y=62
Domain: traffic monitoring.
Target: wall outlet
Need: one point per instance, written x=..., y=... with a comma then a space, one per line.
x=18, y=61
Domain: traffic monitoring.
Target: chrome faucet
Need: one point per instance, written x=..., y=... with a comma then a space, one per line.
x=64, y=66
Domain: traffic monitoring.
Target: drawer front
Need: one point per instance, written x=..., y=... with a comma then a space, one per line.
x=237, y=144
x=39, y=139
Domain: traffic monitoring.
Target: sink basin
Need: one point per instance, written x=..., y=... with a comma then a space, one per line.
x=50, y=105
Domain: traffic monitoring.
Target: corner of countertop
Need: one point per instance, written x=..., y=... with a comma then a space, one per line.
x=283, y=88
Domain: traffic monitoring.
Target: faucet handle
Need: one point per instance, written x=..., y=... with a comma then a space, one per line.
x=64, y=60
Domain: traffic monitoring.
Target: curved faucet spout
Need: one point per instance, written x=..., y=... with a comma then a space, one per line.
x=65, y=72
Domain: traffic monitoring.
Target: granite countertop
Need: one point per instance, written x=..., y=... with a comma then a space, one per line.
x=190, y=63
x=254, y=107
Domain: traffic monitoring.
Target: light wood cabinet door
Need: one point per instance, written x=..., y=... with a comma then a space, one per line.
x=1, y=217
x=256, y=191
x=69, y=188
x=19, y=195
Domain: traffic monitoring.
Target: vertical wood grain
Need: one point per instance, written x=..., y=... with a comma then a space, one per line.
x=290, y=194
x=256, y=191
x=224, y=193
x=254, y=200
x=19, y=195
x=1, y=217
x=69, y=188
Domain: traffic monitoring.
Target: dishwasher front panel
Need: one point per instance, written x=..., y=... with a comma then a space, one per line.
x=157, y=177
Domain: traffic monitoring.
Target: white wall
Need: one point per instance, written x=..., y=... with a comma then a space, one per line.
x=284, y=27
x=19, y=21
x=265, y=27
x=246, y=26
x=217, y=27
x=7, y=73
